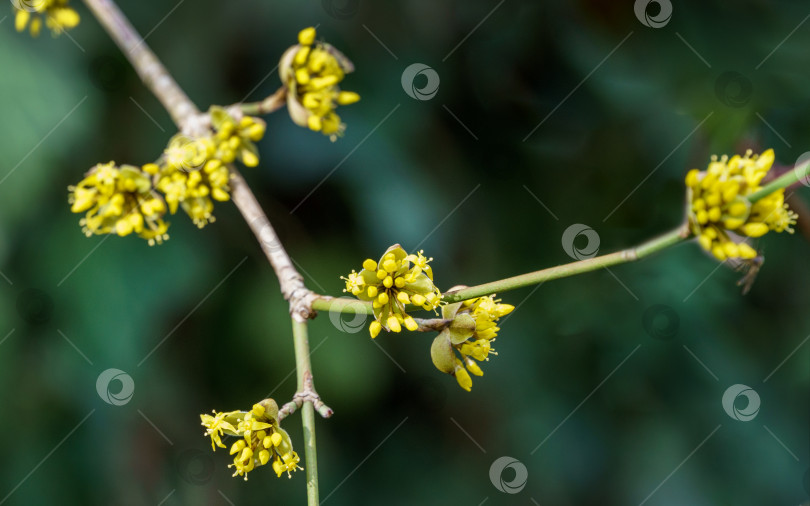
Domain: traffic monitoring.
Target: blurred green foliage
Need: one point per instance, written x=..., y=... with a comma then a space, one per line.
x=614, y=130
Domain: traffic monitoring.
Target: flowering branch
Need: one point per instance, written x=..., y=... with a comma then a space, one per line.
x=799, y=173
x=187, y=117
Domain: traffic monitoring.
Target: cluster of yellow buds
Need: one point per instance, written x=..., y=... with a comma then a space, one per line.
x=191, y=174
x=311, y=72
x=262, y=438
x=58, y=15
x=720, y=214
x=234, y=140
x=472, y=328
x=397, y=280
x=119, y=200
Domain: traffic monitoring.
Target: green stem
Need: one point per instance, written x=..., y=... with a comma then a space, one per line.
x=303, y=368
x=591, y=264
x=799, y=172
x=341, y=305
x=270, y=104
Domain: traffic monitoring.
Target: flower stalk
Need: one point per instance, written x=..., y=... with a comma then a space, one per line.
x=800, y=172
x=303, y=368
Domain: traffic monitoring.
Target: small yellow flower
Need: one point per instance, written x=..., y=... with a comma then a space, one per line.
x=721, y=216
x=311, y=71
x=216, y=426
x=468, y=337
x=119, y=200
x=58, y=16
x=262, y=439
x=396, y=281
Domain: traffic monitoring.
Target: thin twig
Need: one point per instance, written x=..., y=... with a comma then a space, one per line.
x=270, y=104
x=560, y=271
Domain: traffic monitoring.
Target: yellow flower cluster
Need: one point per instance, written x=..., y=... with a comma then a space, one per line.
x=397, y=280
x=234, y=140
x=311, y=72
x=262, y=439
x=58, y=16
x=720, y=213
x=189, y=178
x=472, y=328
x=191, y=174
x=119, y=200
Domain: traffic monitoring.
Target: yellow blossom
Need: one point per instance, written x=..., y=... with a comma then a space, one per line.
x=468, y=337
x=311, y=71
x=30, y=13
x=720, y=215
x=262, y=439
x=119, y=200
x=396, y=281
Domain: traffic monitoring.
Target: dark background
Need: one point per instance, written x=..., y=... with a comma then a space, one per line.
x=625, y=412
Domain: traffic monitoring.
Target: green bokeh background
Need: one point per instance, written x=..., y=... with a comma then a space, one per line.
x=403, y=433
